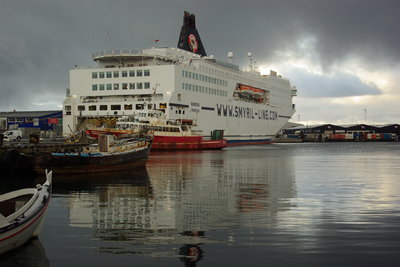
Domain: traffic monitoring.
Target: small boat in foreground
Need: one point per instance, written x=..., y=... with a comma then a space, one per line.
x=108, y=155
x=22, y=214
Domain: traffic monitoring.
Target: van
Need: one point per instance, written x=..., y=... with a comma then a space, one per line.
x=13, y=135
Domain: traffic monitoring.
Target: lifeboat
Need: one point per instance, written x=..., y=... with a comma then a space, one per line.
x=250, y=90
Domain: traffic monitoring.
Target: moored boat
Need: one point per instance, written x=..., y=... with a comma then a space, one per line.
x=105, y=156
x=22, y=214
x=95, y=132
x=168, y=135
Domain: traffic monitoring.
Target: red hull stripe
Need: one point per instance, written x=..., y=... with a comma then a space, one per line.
x=248, y=142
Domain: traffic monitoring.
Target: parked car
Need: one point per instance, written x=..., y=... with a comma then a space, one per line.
x=13, y=135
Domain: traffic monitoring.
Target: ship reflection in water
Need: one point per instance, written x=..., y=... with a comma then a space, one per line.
x=285, y=204
x=178, y=200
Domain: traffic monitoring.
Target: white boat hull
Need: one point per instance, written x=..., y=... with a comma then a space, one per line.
x=17, y=231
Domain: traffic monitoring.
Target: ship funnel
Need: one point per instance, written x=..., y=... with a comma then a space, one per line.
x=189, y=38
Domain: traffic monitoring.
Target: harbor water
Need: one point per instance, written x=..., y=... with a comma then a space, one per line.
x=307, y=204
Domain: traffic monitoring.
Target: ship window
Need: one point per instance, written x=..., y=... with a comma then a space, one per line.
x=109, y=74
x=146, y=72
x=146, y=85
x=109, y=86
x=139, y=85
x=124, y=86
x=101, y=87
x=139, y=73
x=163, y=105
x=94, y=75
x=139, y=106
x=125, y=74
x=103, y=107
x=131, y=85
x=131, y=73
x=116, y=86
x=94, y=87
x=81, y=108
x=115, y=107
x=128, y=107
x=67, y=108
x=92, y=107
x=116, y=74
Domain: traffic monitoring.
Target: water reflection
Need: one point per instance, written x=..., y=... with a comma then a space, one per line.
x=178, y=198
x=191, y=253
x=32, y=254
x=286, y=205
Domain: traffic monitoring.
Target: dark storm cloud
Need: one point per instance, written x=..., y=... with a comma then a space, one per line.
x=339, y=84
x=42, y=39
x=361, y=28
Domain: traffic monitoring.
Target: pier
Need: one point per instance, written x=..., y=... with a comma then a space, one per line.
x=340, y=133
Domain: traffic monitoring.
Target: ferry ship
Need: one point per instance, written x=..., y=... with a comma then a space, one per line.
x=185, y=84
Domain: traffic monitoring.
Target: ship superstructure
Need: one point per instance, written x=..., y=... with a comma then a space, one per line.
x=186, y=85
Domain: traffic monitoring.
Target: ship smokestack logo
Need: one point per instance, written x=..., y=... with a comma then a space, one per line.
x=193, y=44
x=189, y=38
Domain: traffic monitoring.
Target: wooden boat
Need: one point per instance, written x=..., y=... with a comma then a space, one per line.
x=22, y=214
x=105, y=156
x=167, y=135
x=95, y=132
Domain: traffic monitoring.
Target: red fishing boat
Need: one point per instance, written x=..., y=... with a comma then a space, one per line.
x=166, y=135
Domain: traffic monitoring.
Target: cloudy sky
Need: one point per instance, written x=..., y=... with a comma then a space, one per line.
x=343, y=55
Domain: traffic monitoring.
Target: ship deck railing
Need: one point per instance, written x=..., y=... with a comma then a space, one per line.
x=115, y=52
